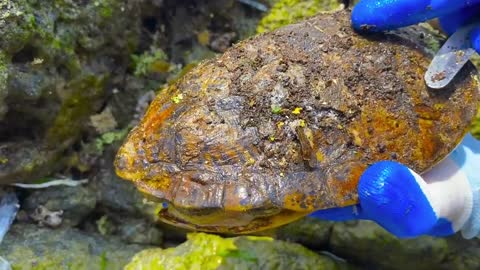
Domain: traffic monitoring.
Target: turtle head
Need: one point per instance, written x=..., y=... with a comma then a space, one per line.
x=209, y=171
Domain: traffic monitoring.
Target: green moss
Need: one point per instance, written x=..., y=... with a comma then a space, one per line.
x=105, y=7
x=76, y=109
x=476, y=126
x=109, y=138
x=13, y=15
x=154, y=60
x=201, y=251
x=204, y=251
x=48, y=260
x=289, y=11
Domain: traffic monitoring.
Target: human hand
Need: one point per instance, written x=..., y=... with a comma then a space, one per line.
x=381, y=15
x=439, y=203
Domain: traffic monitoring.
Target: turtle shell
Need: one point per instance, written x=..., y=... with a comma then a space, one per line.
x=285, y=123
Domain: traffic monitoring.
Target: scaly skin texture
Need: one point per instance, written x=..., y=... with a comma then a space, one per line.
x=285, y=123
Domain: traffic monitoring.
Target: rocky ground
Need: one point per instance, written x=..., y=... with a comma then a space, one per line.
x=75, y=76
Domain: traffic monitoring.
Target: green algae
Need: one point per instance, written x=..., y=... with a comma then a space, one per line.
x=154, y=60
x=285, y=12
x=201, y=251
x=76, y=109
x=109, y=138
x=205, y=251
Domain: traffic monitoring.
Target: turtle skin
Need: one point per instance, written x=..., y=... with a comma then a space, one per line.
x=285, y=123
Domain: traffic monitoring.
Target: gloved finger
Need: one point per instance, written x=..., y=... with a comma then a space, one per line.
x=452, y=21
x=381, y=15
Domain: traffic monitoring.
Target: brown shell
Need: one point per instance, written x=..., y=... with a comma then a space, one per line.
x=285, y=123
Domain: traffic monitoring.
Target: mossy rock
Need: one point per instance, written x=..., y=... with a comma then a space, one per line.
x=28, y=247
x=57, y=59
x=208, y=252
x=367, y=244
x=286, y=12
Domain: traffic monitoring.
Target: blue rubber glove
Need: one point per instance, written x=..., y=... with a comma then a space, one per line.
x=381, y=15
x=447, y=198
x=439, y=203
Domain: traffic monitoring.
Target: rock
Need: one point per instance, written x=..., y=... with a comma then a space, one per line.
x=286, y=12
x=55, y=63
x=44, y=217
x=139, y=231
x=60, y=62
x=23, y=159
x=128, y=229
x=204, y=251
x=367, y=244
x=310, y=232
x=75, y=202
x=463, y=254
x=30, y=247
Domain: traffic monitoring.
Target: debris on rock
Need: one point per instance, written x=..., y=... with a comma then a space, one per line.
x=104, y=121
x=45, y=217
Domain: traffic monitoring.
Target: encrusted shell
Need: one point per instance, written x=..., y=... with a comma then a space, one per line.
x=285, y=123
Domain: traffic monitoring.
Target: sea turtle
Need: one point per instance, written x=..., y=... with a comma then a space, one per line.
x=284, y=124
